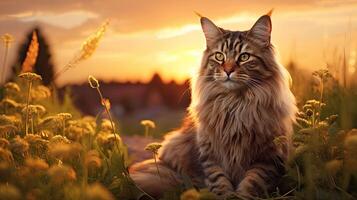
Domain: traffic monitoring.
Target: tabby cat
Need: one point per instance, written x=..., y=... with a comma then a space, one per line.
x=241, y=102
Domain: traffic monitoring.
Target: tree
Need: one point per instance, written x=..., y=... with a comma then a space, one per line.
x=43, y=65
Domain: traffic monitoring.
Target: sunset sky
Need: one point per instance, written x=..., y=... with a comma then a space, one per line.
x=165, y=36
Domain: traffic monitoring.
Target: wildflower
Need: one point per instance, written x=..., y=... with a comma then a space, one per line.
x=8, y=119
x=9, y=103
x=331, y=119
x=323, y=74
x=45, y=134
x=36, y=164
x=64, y=116
x=6, y=130
x=41, y=92
x=153, y=147
x=59, y=139
x=74, y=132
x=65, y=151
x=31, y=55
x=7, y=39
x=147, y=124
x=19, y=146
x=30, y=76
x=61, y=173
x=50, y=120
x=107, y=141
x=190, y=194
x=280, y=141
x=309, y=112
x=97, y=192
x=38, y=145
x=92, y=160
x=106, y=125
x=9, y=192
x=106, y=103
x=6, y=156
x=93, y=82
x=11, y=86
x=5, y=171
x=34, y=110
x=4, y=143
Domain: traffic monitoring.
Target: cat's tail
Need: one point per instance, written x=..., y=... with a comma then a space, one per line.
x=154, y=178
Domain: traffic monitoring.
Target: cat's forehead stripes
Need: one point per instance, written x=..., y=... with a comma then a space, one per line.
x=233, y=42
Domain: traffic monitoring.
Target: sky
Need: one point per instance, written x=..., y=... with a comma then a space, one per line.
x=165, y=36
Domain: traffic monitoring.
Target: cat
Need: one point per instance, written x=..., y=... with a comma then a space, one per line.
x=241, y=102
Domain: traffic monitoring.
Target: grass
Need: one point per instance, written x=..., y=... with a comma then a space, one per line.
x=65, y=156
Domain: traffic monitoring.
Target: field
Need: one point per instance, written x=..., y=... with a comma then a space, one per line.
x=48, y=150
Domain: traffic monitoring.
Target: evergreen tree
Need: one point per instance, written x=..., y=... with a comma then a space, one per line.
x=44, y=65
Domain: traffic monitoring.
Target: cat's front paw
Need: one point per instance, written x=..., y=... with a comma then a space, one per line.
x=223, y=189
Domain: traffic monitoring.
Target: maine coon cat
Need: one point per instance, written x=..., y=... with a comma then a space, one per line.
x=241, y=102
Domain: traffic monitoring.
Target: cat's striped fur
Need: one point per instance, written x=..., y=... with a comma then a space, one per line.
x=240, y=104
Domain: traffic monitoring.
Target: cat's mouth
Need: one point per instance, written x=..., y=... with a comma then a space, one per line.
x=230, y=84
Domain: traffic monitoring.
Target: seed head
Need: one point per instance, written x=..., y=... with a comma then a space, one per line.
x=6, y=156
x=92, y=160
x=19, y=145
x=30, y=76
x=9, y=192
x=309, y=112
x=97, y=192
x=148, y=123
x=61, y=173
x=11, y=86
x=7, y=38
x=64, y=116
x=93, y=82
x=153, y=147
x=36, y=164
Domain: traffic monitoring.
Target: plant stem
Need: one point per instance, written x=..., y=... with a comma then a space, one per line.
x=146, y=131
x=27, y=106
x=32, y=125
x=63, y=126
x=4, y=63
x=157, y=167
x=109, y=115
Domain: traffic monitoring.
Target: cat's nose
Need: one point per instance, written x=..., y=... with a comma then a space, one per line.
x=229, y=67
x=229, y=71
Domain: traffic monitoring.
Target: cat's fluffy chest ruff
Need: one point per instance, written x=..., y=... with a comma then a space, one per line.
x=237, y=128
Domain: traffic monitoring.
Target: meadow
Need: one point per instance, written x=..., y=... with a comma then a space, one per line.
x=48, y=150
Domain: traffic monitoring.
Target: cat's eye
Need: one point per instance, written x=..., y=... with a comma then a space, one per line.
x=219, y=56
x=244, y=57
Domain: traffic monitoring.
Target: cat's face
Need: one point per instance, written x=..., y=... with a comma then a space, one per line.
x=236, y=59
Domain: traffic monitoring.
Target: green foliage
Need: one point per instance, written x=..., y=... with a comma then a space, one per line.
x=62, y=155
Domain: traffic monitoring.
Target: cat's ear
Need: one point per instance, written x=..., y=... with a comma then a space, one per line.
x=211, y=31
x=261, y=30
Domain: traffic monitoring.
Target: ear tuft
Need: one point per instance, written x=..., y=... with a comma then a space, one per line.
x=198, y=14
x=211, y=31
x=270, y=12
x=261, y=30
